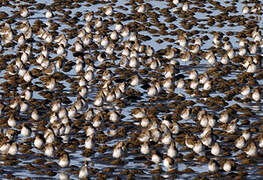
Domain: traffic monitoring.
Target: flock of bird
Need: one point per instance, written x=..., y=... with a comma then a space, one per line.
x=98, y=89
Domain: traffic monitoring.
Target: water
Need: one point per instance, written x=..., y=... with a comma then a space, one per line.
x=132, y=160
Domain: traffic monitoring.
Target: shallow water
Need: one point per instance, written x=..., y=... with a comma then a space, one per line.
x=133, y=160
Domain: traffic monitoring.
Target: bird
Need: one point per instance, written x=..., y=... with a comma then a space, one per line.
x=83, y=172
x=26, y=130
x=64, y=160
x=39, y=141
x=213, y=166
x=49, y=14
x=118, y=150
x=24, y=12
